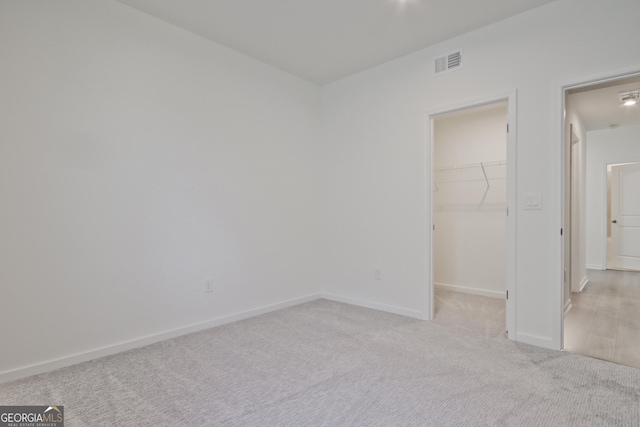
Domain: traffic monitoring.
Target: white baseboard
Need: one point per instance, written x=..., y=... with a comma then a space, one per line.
x=567, y=306
x=595, y=267
x=73, y=359
x=468, y=290
x=417, y=314
x=583, y=283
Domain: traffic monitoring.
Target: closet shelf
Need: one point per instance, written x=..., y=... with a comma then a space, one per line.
x=483, y=171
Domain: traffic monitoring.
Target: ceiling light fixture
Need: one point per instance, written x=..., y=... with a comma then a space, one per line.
x=629, y=97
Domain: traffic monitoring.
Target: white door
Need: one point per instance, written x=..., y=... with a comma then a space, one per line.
x=625, y=217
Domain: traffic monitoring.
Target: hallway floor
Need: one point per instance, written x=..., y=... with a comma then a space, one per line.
x=605, y=319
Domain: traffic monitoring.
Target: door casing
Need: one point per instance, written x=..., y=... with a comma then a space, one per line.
x=617, y=216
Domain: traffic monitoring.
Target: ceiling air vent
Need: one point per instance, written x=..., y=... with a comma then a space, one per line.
x=629, y=95
x=448, y=62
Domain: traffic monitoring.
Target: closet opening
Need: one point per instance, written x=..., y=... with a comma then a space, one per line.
x=473, y=256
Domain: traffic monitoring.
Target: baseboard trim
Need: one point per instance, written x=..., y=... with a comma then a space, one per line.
x=583, y=283
x=567, y=306
x=73, y=359
x=473, y=291
x=595, y=267
x=417, y=314
x=535, y=340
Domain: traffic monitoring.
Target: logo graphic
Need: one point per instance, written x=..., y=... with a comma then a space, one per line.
x=55, y=408
x=32, y=416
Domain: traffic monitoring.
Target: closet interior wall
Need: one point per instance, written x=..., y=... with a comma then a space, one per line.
x=470, y=200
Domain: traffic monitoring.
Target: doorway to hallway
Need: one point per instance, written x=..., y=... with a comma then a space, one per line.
x=601, y=219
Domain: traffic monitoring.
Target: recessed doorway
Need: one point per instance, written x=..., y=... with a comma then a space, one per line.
x=602, y=221
x=472, y=236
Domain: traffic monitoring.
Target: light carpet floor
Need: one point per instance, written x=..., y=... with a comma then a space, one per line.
x=332, y=364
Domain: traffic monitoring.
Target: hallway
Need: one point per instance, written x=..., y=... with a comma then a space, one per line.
x=605, y=319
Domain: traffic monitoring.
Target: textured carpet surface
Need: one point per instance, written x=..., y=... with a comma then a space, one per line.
x=326, y=363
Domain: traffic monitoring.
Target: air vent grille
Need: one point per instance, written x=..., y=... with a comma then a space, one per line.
x=448, y=62
x=630, y=94
x=441, y=64
x=454, y=60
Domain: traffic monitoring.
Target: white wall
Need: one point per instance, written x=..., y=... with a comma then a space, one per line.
x=604, y=146
x=137, y=161
x=575, y=262
x=374, y=138
x=469, y=241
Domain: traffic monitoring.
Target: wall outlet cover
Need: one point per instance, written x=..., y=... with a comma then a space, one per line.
x=208, y=286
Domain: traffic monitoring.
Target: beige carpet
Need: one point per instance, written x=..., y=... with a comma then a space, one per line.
x=326, y=363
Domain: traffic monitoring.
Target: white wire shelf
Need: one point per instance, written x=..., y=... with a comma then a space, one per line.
x=474, y=172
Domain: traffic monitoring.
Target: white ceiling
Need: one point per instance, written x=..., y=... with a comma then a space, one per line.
x=324, y=40
x=599, y=106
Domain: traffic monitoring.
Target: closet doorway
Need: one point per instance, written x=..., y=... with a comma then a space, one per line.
x=473, y=243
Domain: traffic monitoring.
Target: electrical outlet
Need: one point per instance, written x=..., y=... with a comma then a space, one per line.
x=377, y=274
x=208, y=286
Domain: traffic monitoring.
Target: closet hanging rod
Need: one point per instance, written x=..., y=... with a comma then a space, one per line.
x=480, y=167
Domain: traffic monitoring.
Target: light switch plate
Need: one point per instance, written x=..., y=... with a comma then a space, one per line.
x=532, y=201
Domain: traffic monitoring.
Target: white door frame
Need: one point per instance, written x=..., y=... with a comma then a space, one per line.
x=609, y=201
x=605, y=196
x=558, y=318
x=511, y=98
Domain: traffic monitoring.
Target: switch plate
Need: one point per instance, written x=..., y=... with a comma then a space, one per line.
x=532, y=201
x=377, y=274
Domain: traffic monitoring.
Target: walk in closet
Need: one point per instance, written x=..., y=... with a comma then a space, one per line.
x=469, y=200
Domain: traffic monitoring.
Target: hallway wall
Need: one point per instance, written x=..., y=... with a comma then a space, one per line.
x=604, y=147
